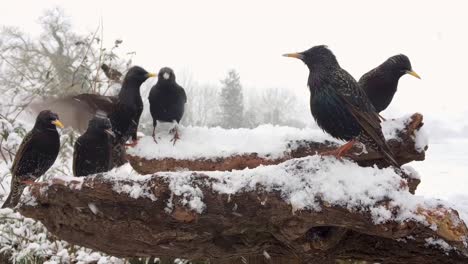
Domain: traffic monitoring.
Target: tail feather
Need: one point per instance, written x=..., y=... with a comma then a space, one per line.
x=382, y=147
x=7, y=203
x=371, y=134
x=14, y=196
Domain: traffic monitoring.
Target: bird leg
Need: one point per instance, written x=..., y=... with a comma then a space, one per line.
x=341, y=151
x=154, y=134
x=28, y=182
x=175, y=131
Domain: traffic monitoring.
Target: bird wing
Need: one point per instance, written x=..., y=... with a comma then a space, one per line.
x=24, y=147
x=76, y=150
x=364, y=112
x=182, y=93
x=97, y=102
x=366, y=76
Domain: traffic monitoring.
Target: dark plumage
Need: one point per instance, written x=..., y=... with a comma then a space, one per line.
x=93, y=149
x=167, y=100
x=35, y=155
x=380, y=84
x=127, y=111
x=124, y=110
x=339, y=106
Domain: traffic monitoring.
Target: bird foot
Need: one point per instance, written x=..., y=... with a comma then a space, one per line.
x=28, y=182
x=381, y=117
x=176, y=136
x=154, y=139
x=339, y=152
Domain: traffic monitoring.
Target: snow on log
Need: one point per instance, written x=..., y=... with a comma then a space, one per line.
x=306, y=210
x=210, y=149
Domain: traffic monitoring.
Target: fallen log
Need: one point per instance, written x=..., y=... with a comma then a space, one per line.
x=402, y=137
x=307, y=210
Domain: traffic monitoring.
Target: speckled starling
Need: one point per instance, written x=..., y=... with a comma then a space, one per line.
x=339, y=106
x=93, y=149
x=380, y=84
x=167, y=101
x=35, y=155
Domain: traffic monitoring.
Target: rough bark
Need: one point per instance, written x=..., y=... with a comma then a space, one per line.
x=251, y=225
x=403, y=149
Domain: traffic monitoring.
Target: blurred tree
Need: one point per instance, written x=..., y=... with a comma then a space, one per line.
x=202, y=106
x=57, y=62
x=273, y=106
x=231, y=101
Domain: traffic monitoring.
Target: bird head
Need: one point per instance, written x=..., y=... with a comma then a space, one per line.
x=166, y=74
x=399, y=65
x=317, y=56
x=101, y=123
x=137, y=74
x=48, y=120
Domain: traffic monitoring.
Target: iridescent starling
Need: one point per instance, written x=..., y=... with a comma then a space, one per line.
x=339, y=106
x=35, y=155
x=167, y=101
x=380, y=84
x=124, y=110
x=93, y=149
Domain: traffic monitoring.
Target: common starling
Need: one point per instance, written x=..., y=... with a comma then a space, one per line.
x=127, y=111
x=380, y=84
x=112, y=74
x=124, y=110
x=167, y=101
x=35, y=155
x=339, y=106
x=93, y=149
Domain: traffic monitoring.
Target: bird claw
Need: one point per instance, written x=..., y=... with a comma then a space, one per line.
x=28, y=182
x=176, y=136
x=339, y=152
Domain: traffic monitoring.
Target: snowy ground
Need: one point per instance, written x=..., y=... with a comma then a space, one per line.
x=266, y=140
x=444, y=173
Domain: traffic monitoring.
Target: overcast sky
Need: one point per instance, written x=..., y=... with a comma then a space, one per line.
x=209, y=37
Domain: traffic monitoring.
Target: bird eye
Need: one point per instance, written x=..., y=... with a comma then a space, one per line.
x=166, y=75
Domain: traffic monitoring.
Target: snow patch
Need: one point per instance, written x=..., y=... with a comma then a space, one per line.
x=136, y=186
x=438, y=243
x=410, y=171
x=308, y=182
x=421, y=139
x=268, y=141
x=391, y=127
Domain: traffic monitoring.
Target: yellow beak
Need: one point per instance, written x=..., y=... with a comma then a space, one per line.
x=58, y=123
x=151, y=75
x=294, y=55
x=413, y=74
